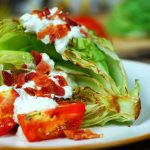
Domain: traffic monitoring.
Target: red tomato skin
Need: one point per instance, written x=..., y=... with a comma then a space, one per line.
x=91, y=24
x=49, y=124
x=7, y=99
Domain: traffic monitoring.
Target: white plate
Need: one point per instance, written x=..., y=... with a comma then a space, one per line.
x=114, y=135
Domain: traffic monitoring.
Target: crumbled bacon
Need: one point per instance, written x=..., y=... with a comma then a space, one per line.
x=43, y=67
x=80, y=134
x=8, y=78
x=37, y=56
x=84, y=33
x=48, y=85
x=46, y=11
x=30, y=91
x=43, y=93
x=20, y=80
x=39, y=13
x=30, y=76
x=61, y=80
x=71, y=22
x=54, y=32
x=55, y=14
x=42, y=80
x=24, y=66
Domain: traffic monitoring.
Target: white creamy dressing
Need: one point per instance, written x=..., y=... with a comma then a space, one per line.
x=32, y=23
x=5, y=88
x=47, y=59
x=68, y=89
x=26, y=103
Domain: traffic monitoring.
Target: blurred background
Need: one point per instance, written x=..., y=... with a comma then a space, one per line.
x=125, y=22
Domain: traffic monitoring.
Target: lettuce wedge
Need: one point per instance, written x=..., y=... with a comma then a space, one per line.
x=94, y=69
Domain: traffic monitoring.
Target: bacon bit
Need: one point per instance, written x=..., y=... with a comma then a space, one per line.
x=42, y=80
x=30, y=91
x=56, y=13
x=46, y=11
x=43, y=93
x=48, y=85
x=37, y=56
x=24, y=66
x=52, y=38
x=85, y=33
x=39, y=13
x=71, y=22
x=30, y=76
x=80, y=134
x=58, y=90
x=68, y=26
x=54, y=32
x=8, y=78
x=62, y=31
x=43, y=67
x=61, y=80
x=20, y=80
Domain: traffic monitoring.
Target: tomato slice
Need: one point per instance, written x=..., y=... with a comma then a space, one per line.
x=91, y=24
x=49, y=124
x=7, y=99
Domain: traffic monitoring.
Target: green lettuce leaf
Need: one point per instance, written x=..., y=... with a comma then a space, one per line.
x=129, y=18
x=16, y=59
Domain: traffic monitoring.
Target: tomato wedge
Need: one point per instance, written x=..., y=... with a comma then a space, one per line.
x=49, y=124
x=91, y=24
x=7, y=99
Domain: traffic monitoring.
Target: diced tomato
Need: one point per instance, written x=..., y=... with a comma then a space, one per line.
x=43, y=67
x=49, y=124
x=7, y=99
x=79, y=134
x=37, y=56
x=8, y=78
x=61, y=80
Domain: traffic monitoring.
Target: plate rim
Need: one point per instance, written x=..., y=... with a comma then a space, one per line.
x=99, y=145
